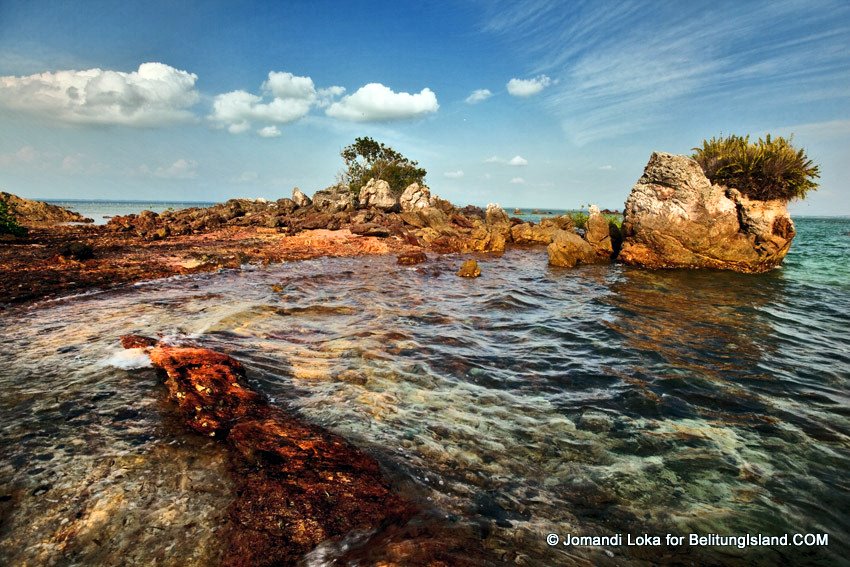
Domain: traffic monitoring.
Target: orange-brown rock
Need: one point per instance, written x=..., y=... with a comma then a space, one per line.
x=297, y=484
x=411, y=258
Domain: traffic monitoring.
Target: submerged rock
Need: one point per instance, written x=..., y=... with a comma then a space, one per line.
x=675, y=218
x=297, y=484
x=412, y=258
x=469, y=269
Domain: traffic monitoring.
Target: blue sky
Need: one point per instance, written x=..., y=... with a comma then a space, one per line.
x=526, y=103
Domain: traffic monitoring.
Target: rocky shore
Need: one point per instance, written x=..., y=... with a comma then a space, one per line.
x=674, y=218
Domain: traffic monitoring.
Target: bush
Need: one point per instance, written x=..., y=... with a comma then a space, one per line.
x=366, y=159
x=579, y=219
x=768, y=169
x=8, y=223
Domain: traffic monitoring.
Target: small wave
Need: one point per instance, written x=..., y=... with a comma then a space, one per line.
x=129, y=359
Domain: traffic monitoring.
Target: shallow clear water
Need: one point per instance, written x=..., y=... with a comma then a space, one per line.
x=532, y=400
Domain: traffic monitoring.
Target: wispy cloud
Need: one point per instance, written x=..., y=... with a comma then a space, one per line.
x=621, y=67
x=454, y=174
x=478, y=95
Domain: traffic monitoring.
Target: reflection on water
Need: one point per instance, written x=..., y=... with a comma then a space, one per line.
x=531, y=400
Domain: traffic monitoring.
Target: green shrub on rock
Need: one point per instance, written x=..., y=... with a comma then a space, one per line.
x=367, y=159
x=8, y=222
x=770, y=168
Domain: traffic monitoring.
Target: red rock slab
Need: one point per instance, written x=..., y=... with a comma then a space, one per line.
x=297, y=484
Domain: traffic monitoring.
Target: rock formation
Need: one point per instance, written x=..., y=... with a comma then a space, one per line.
x=377, y=194
x=415, y=197
x=37, y=213
x=334, y=199
x=675, y=218
x=469, y=269
x=297, y=484
x=299, y=198
x=569, y=250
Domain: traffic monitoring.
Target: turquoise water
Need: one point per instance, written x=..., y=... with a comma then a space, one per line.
x=530, y=401
x=101, y=211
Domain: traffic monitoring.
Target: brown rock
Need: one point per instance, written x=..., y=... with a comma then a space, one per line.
x=137, y=341
x=369, y=229
x=412, y=258
x=469, y=269
x=37, y=213
x=675, y=218
x=568, y=250
x=529, y=233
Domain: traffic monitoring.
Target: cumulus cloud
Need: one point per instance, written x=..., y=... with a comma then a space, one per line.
x=180, y=169
x=518, y=161
x=269, y=132
x=478, y=95
x=454, y=174
x=152, y=95
x=518, y=181
x=375, y=103
x=284, y=98
x=528, y=87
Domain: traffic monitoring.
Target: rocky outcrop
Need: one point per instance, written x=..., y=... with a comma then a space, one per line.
x=569, y=250
x=602, y=234
x=297, y=484
x=415, y=197
x=300, y=199
x=334, y=199
x=675, y=218
x=37, y=213
x=377, y=194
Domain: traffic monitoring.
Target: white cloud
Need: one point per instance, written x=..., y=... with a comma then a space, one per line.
x=606, y=167
x=493, y=159
x=454, y=174
x=26, y=154
x=285, y=98
x=528, y=87
x=269, y=132
x=375, y=102
x=154, y=94
x=478, y=95
x=518, y=161
x=518, y=181
x=180, y=169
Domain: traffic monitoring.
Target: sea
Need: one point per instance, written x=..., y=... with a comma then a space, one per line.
x=523, y=409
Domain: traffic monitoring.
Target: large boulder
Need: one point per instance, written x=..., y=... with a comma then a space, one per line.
x=569, y=250
x=601, y=233
x=675, y=218
x=377, y=194
x=334, y=199
x=299, y=198
x=529, y=233
x=415, y=197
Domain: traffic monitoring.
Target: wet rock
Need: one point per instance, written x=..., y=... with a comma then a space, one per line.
x=412, y=258
x=137, y=341
x=76, y=251
x=297, y=484
x=377, y=194
x=675, y=218
x=469, y=269
x=414, y=197
x=299, y=198
x=568, y=250
x=595, y=421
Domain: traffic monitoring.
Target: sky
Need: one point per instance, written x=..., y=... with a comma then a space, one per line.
x=526, y=103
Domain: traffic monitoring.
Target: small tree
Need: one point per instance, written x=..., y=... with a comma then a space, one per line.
x=8, y=222
x=366, y=159
x=771, y=168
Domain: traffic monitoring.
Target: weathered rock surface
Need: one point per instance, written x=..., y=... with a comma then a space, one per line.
x=675, y=218
x=469, y=269
x=529, y=233
x=297, y=484
x=569, y=250
x=411, y=258
x=334, y=199
x=377, y=194
x=415, y=197
x=601, y=233
x=37, y=213
x=300, y=199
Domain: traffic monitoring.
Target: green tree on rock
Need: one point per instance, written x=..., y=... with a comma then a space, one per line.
x=366, y=159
